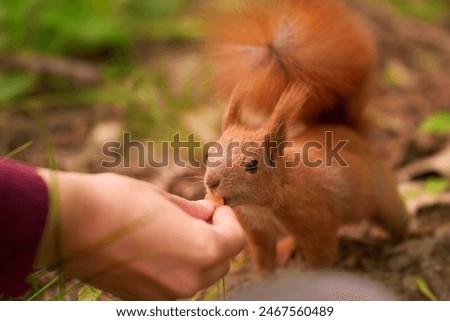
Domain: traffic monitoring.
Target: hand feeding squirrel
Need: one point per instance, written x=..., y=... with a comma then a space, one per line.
x=302, y=64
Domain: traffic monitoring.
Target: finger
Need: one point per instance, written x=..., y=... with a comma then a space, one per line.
x=202, y=209
x=230, y=231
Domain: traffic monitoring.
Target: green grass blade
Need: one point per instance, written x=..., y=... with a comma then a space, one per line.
x=18, y=150
x=424, y=289
x=45, y=288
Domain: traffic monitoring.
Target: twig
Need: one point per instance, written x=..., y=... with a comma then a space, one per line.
x=76, y=70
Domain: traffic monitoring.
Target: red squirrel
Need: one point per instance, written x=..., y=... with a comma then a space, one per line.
x=304, y=63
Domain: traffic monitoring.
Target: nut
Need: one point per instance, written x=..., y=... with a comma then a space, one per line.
x=218, y=200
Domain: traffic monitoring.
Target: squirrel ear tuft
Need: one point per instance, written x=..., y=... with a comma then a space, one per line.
x=290, y=104
x=233, y=114
x=274, y=143
x=287, y=108
x=278, y=133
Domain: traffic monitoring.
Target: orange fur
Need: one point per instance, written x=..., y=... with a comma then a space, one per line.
x=306, y=62
x=322, y=45
x=306, y=201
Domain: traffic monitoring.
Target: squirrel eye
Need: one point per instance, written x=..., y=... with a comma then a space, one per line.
x=252, y=166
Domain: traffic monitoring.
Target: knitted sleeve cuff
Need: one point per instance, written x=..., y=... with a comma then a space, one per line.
x=24, y=205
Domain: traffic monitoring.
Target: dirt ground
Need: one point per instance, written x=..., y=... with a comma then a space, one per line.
x=414, y=65
x=426, y=253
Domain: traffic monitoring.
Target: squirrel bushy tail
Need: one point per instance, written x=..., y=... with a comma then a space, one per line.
x=268, y=45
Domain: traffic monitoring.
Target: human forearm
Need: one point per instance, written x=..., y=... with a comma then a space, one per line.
x=119, y=233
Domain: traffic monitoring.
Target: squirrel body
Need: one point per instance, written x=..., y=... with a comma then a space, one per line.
x=306, y=170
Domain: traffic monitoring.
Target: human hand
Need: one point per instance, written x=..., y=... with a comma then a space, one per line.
x=131, y=239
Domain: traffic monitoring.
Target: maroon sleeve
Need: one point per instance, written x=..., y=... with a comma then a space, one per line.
x=24, y=204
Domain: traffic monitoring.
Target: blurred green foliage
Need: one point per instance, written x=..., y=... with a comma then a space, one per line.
x=438, y=123
x=83, y=27
x=89, y=293
x=428, y=10
x=107, y=33
x=61, y=27
x=436, y=185
x=395, y=75
x=14, y=85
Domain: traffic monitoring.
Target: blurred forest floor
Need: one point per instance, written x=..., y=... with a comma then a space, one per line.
x=73, y=78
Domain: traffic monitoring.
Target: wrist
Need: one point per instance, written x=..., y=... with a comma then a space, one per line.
x=64, y=200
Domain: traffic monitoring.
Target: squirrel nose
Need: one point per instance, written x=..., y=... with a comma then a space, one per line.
x=212, y=181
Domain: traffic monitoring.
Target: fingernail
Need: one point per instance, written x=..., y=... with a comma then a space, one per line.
x=209, y=205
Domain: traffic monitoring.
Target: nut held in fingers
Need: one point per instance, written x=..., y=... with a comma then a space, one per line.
x=218, y=201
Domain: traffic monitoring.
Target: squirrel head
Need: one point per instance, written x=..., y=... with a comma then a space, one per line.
x=245, y=166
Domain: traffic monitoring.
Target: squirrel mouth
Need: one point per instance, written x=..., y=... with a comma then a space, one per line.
x=230, y=201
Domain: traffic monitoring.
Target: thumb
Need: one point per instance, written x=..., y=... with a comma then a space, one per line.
x=230, y=231
x=202, y=209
